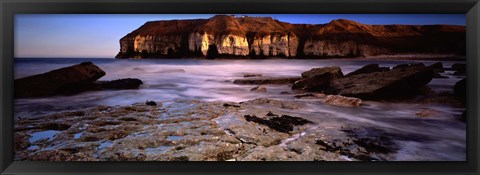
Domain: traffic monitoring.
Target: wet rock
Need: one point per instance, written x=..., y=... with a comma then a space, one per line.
x=252, y=75
x=259, y=89
x=460, y=89
x=335, y=71
x=383, y=85
x=284, y=123
x=127, y=83
x=68, y=80
x=339, y=100
x=437, y=69
x=150, y=103
x=266, y=80
x=316, y=83
x=345, y=149
x=368, y=69
x=318, y=79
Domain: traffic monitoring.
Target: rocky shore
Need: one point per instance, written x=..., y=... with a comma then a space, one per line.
x=191, y=130
x=261, y=129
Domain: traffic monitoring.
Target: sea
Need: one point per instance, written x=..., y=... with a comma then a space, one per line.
x=212, y=80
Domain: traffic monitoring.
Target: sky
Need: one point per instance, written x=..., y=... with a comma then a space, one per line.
x=98, y=35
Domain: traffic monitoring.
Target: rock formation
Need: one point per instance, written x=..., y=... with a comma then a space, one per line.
x=224, y=35
x=397, y=82
x=366, y=83
x=68, y=81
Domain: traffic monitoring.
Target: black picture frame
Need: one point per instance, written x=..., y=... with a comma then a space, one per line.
x=9, y=8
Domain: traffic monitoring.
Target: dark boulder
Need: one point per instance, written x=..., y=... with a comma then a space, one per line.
x=316, y=83
x=150, y=103
x=381, y=85
x=127, y=83
x=368, y=69
x=460, y=89
x=336, y=71
x=437, y=67
x=318, y=79
x=267, y=80
x=459, y=68
x=68, y=80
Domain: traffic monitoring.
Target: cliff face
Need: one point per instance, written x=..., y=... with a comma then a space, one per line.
x=260, y=36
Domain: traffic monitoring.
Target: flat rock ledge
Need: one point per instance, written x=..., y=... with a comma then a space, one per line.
x=190, y=130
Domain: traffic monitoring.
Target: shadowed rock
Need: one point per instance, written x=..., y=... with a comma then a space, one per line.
x=127, y=83
x=316, y=83
x=317, y=79
x=68, y=80
x=381, y=85
x=336, y=71
x=437, y=69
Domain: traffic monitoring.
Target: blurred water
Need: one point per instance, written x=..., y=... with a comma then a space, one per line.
x=167, y=79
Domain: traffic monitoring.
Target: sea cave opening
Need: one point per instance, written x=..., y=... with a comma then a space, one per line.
x=212, y=51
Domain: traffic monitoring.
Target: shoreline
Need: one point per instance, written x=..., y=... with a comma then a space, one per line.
x=197, y=131
x=422, y=57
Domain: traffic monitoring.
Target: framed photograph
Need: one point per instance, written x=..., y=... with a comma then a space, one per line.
x=212, y=87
